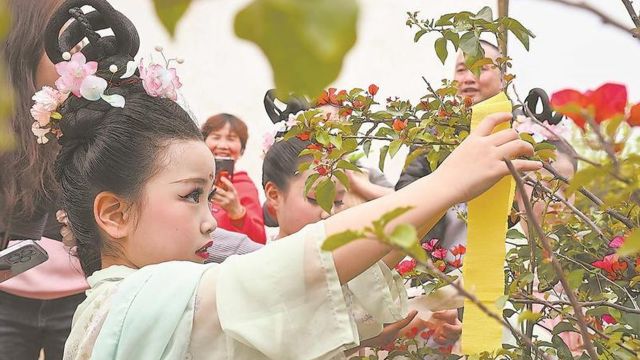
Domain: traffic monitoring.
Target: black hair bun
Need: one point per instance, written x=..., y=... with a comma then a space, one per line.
x=124, y=42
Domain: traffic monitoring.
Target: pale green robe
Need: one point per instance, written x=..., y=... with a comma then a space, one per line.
x=282, y=302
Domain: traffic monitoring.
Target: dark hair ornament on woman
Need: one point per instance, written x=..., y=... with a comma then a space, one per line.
x=82, y=79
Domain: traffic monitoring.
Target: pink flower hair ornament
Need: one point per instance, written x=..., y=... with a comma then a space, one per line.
x=77, y=78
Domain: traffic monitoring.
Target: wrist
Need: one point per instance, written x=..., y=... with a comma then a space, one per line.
x=238, y=213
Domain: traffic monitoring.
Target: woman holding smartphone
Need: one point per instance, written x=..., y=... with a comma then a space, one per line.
x=235, y=205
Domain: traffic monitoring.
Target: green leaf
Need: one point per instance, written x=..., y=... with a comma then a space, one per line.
x=419, y=34
x=344, y=164
x=393, y=214
x=170, y=12
x=336, y=240
x=441, y=49
x=310, y=181
x=383, y=156
x=469, y=44
x=563, y=327
x=366, y=147
x=322, y=137
x=631, y=245
x=309, y=38
x=520, y=32
x=485, y=14
x=403, y=236
x=342, y=177
x=445, y=19
x=326, y=194
x=528, y=315
x=453, y=37
x=575, y=278
x=336, y=141
x=501, y=301
x=394, y=146
x=515, y=234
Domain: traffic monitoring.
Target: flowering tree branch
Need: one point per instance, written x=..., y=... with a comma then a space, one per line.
x=556, y=265
x=606, y=19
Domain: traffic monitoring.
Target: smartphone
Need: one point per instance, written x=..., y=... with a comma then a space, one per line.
x=20, y=257
x=224, y=168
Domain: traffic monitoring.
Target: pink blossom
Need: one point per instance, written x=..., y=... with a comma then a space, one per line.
x=439, y=253
x=268, y=139
x=73, y=72
x=430, y=245
x=47, y=101
x=540, y=133
x=616, y=242
x=159, y=81
x=609, y=319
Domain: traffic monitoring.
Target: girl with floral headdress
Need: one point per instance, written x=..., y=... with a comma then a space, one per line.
x=136, y=178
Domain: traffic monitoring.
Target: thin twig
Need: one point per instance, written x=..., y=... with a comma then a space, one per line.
x=591, y=196
x=604, y=17
x=461, y=290
x=430, y=143
x=575, y=210
x=435, y=94
x=584, y=304
x=550, y=305
x=554, y=262
x=598, y=274
x=632, y=13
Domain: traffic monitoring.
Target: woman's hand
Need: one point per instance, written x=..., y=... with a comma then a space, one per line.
x=478, y=163
x=390, y=332
x=446, y=325
x=227, y=198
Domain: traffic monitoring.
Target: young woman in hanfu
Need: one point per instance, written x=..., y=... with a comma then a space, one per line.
x=136, y=176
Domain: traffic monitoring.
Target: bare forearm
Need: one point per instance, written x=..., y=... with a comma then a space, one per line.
x=355, y=257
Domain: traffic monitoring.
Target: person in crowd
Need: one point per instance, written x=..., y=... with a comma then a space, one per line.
x=36, y=306
x=236, y=206
x=450, y=229
x=137, y=179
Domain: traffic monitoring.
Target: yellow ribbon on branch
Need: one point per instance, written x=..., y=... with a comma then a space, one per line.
x=484, y=260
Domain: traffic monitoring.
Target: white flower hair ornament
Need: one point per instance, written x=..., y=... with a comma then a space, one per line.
x=77, y=78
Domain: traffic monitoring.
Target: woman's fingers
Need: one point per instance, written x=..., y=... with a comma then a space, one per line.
x=515, y=149
x=503, y=137
x=487, y=125
x=526, y=165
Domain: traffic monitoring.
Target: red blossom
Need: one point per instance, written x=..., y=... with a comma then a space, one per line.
x=611, y=265
x=441, y=265
x=373, y=89
x=606, y=102
x=315, y=146
x=634, y=115
x=304, y=136
x=399, y=125
x=468, y=101
x=457, y=263
x=458, y=250
x=439, y=253
x=345, y=111
x=322, y=170
x=427, y=334
x=328, y=97
x=406, y=266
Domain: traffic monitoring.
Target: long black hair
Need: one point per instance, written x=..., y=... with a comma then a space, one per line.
x=105, y=148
